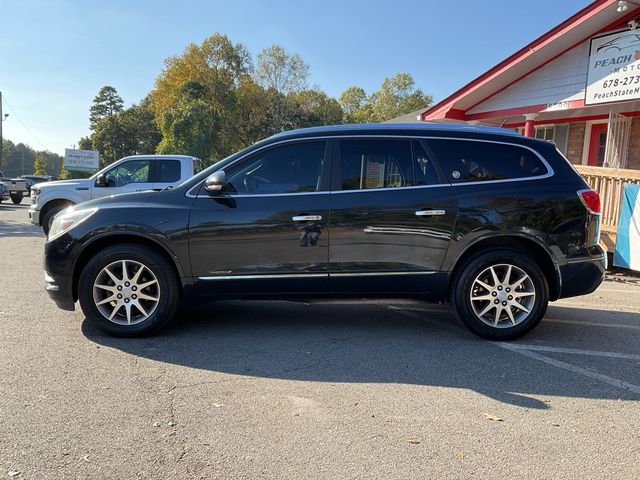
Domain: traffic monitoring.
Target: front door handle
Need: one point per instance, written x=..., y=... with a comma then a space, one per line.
x=430, y=213
x=307, y=218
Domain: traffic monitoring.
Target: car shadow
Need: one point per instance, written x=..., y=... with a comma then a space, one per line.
x=19, y=229
x=11, y=207
x=359, y=344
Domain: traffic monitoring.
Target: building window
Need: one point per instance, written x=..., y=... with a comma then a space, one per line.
x=557, y=134
x=545, y=133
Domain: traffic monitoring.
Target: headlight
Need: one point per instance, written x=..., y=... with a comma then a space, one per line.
x=66, y=220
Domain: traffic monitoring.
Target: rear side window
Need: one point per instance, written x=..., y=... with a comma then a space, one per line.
x=426, y=172
x=167, y=171
x=477, y=161
x=375, y=164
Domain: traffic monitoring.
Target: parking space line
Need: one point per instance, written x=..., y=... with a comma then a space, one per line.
x=573, y=351
x=592, y=324
x=573, y=368
x=615, y=290
x=519, y=349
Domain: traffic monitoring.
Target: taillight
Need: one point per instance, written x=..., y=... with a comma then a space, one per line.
x=591, y=200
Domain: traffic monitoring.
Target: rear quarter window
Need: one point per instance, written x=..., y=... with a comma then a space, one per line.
x=168, y=171
x=477, y=161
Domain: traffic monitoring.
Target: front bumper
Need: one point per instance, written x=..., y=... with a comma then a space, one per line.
x=59, y=260
x=59, y=292
x=583, y=276
x=34, y=216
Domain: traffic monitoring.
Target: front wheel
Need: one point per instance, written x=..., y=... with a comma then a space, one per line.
x=128, y=291
x=500, y=295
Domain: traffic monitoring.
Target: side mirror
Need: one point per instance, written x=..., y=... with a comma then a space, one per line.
x=101, y=181
x=216, y=182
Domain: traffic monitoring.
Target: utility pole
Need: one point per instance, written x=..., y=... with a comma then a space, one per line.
x=1, y=120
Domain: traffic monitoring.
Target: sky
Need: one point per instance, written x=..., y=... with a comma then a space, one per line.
x=56, y=54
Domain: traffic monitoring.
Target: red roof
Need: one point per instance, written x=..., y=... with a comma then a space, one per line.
x=598, y=16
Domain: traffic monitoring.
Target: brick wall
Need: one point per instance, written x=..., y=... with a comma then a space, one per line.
x=575, y=143
x=633, y=161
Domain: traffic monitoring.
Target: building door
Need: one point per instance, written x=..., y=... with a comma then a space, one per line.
x=598, y=144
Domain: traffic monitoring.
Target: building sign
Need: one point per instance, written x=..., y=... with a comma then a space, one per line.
x=614, y=68
x=557, y=106
x=81, y=160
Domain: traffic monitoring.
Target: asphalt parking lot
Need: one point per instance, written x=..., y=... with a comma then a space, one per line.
x=290, y=390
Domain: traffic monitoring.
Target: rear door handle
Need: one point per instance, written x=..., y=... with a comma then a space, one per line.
x=430, y=213
x=307, y=218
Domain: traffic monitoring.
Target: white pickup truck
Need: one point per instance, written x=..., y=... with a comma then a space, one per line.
x=129, y=174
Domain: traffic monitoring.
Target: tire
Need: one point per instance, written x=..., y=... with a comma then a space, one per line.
x=131, y=321
x=16, y=199
x=48, y=217
x=521, y=293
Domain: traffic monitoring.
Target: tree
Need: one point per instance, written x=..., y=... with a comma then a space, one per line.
x=190, y=127
x=354, y=103
x=286, y=73
x=397, y=96
x=85, y=143
x=217, y=63
x=318, y=108
x=132, y=131
x=40, y=165
x=106, y=103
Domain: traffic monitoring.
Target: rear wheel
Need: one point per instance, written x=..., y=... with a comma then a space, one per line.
x=16, y=198
x=128, y=291
x=500, y=295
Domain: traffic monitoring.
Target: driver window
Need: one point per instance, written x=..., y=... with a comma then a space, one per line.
x=290, y=168
x=134, y=171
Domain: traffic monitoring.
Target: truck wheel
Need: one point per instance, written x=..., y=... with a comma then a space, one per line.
x=500, y=295
x=16, y=198
x=128, y=290
x=48, y=217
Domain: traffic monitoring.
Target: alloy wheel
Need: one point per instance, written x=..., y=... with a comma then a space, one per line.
x=126, y=292
x=502, y=295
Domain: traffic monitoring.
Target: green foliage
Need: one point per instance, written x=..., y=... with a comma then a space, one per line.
x=19, y=159
x=353, y=101
x=284, y=72
x=190, y=127
x=40, y=165
x=397, y=96
x=131, y=131
x=210, y=101
x=318, y=108
x=85, y=143
x=105, y=104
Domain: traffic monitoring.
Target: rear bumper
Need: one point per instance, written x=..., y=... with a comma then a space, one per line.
x=583, y=276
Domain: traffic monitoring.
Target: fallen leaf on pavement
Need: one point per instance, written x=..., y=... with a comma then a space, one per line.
x=488, y=416
x=413, y=441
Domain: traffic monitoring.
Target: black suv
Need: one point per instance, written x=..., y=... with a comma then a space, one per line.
x=493, y=222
